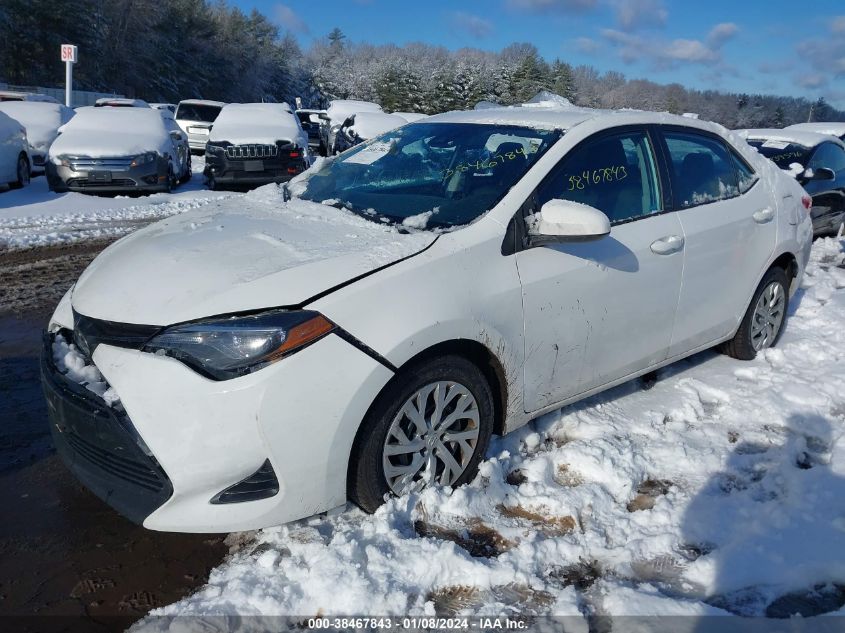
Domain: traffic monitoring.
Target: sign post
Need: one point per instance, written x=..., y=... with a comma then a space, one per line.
x=69, y=58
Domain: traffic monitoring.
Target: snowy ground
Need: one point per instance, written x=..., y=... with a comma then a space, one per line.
x=34, y=216
x=717, y=489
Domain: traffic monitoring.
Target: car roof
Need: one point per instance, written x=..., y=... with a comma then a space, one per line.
x=565, y=117
x=799, y=137
x=203, y=102
x=831, y=127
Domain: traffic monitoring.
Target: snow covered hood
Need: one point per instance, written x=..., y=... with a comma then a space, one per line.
x=370, y=124
x=236, y=255
x=111, y=132
x=40, y=118
x=241, y=123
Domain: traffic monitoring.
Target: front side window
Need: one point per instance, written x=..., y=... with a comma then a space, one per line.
x=613, y=173
x=430, y=175
x=702, y=169
x=830, y=156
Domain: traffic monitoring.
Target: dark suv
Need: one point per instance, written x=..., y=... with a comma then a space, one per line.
x=255, y=144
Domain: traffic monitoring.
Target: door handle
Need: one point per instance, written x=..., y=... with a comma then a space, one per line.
x=667, y=245
x=763, y=215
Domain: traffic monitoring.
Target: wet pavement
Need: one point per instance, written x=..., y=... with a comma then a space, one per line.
x=63, y=552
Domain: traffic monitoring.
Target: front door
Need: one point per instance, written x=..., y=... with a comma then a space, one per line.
x=597, y=311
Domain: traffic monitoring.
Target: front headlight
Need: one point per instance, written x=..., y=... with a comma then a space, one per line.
x=143, y=159
x=213, y=149
x=63, y=160
x=231, y=347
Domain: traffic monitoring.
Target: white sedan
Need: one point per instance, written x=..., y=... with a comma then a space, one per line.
x=364, y=331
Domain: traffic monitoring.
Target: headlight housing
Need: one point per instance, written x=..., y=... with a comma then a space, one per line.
x=214, y=149
x=63, y=160
x=229, y=347
x=143, y=159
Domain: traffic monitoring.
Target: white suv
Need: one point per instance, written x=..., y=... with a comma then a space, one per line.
x=196, y=118
x=269, y=358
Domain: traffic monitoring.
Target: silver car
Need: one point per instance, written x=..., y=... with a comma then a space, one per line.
x=196, y=118
x=118, y=150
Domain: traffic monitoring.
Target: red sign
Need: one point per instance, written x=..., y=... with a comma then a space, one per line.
x=69, y=53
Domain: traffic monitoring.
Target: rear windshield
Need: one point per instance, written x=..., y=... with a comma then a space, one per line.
x=782, y=153
x=197, y=112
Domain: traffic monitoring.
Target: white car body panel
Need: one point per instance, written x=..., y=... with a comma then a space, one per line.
x=13, y=142
x=554, y=312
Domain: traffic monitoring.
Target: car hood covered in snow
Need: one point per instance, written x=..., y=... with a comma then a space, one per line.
x=236, y=255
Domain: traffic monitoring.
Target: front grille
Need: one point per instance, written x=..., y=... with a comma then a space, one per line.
x=244, y=152
x=84, y=163
x=94, y=184
x=128, y=470
x=88, y=333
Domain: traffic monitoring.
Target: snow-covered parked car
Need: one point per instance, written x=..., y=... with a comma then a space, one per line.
x=253, y=144
x=363, y=126
x=337, y=114
x=15, y=163
x=196, y=117
x=832, y=128
x=16, y=95
x=116, y=150
x=817, y=161
x=42, y=121
x=274, y=356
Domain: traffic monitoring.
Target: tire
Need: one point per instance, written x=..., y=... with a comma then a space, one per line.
x=188, y=172
x=367, y=483
x=747, y=342
x=211, y=181
x=23, y=173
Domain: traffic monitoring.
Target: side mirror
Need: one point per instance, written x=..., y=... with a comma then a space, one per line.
x=177, y=136
x=823, y=173
x=566, y=221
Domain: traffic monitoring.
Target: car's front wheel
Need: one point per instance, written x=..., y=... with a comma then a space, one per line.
x=430, y=427
x=22, y=172
x=763, y=322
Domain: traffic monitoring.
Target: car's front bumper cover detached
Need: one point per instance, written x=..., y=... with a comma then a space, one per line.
x=185, y=453
x=100, y=446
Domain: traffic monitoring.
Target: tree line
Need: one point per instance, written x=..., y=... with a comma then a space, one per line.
x=167, y=51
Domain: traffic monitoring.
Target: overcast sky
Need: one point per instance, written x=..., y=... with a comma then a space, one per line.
x=769, y=46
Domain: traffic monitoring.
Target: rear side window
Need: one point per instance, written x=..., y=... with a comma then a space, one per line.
x=613, y=173
x=745, y=176
x=702, y=168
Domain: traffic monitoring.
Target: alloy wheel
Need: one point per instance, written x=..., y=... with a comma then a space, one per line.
x=23, y=171
x=768, y=316
x=432, y=438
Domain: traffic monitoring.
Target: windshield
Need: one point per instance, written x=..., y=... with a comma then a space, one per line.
x=197, y=112
x=782, y=153
x=430, y=174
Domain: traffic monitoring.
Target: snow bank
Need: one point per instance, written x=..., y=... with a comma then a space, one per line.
x=370, y=124
x=716, y=489
x=112, y=132
x=42, y=120
x=241, y=123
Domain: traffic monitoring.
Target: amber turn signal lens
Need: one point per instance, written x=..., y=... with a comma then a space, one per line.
x=305, y=333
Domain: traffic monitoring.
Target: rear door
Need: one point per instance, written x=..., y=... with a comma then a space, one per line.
x=729, y=218
x=601, y=310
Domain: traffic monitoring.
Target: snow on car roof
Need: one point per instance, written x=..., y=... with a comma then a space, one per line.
x=112, y=132
x=121, y=102
x=241, y=123
x=203, y=102
x=370, y=124
x=800, y=137
x=41, y=119
x=410, y=117
x=341, y=109
x=830, y=127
